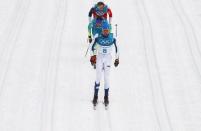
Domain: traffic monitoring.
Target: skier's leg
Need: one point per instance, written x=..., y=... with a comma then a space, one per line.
x=96, y=88
x=107, y=66
x=98, y=78
x=93, y=32
x=98, y=73
x=99, y=66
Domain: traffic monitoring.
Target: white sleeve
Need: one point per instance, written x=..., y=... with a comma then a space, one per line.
x=116, y=50
x=89, y=19
x=95, y=36
x=110, y=20
x=91, y=50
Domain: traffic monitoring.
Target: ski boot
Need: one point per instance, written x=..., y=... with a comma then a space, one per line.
x=95, y=99
x=106, y=99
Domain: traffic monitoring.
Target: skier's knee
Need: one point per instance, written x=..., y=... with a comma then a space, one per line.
x=97, y=85
x=106, y=85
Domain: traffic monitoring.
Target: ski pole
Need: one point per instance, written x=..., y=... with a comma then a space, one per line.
x=87, y=48
x=87, y=51
x=116, y=29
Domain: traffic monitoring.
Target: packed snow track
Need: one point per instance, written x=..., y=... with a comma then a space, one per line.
x=46, y=82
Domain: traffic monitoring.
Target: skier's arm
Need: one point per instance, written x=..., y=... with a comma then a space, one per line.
x=116, y=49
x=89, y=29
x=116, y=63
x=93, y=47
x=110, y=15
x=90, y=14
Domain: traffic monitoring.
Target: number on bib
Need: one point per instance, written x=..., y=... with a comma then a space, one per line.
x=104, y=50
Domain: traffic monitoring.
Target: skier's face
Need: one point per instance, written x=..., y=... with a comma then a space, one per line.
x=100, y=7
x=106, y=32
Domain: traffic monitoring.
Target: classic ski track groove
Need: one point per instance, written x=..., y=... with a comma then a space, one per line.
x=147, y=63
x=109, y=118
x=98, y=113
x=154, y=73
x=194, y=38
x=108, y=122
x=107, y=113
x=97, y=117
x=12, y=39
x=10, y=28
x=51, y=76
x=190, y=37
x=101, y=112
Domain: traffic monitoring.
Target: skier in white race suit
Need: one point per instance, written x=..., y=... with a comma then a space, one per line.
x=101, y=57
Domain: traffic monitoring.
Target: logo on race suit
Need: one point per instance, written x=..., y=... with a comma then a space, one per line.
x=100, y=13
x=105, y=42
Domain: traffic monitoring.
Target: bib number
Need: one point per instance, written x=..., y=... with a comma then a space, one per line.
x=104, y=51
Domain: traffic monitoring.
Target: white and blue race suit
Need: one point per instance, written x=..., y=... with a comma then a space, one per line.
x=102, y=48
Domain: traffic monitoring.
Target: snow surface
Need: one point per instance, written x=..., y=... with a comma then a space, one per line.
x=46, y=82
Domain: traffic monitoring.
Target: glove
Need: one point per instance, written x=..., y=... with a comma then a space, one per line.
x=116, y=63
x=93, y=60
x=90, y=39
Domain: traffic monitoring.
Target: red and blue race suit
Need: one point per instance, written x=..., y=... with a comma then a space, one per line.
x=101, y=13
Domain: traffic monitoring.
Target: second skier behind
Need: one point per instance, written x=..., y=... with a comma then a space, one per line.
x=99, y=11
x=95, y=28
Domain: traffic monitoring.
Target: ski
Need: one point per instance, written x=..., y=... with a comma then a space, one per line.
x=95, y=105
x=106, y=100
x=106, y=106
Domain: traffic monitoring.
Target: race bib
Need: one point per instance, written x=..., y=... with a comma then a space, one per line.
x=105, y=50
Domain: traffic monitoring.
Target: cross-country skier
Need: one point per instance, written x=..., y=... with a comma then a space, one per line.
x=100, y=10
x=95, y=28
x=101, y=56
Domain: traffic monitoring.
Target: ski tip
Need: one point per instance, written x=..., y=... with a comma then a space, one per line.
x=106, y=107
x=94, y=105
